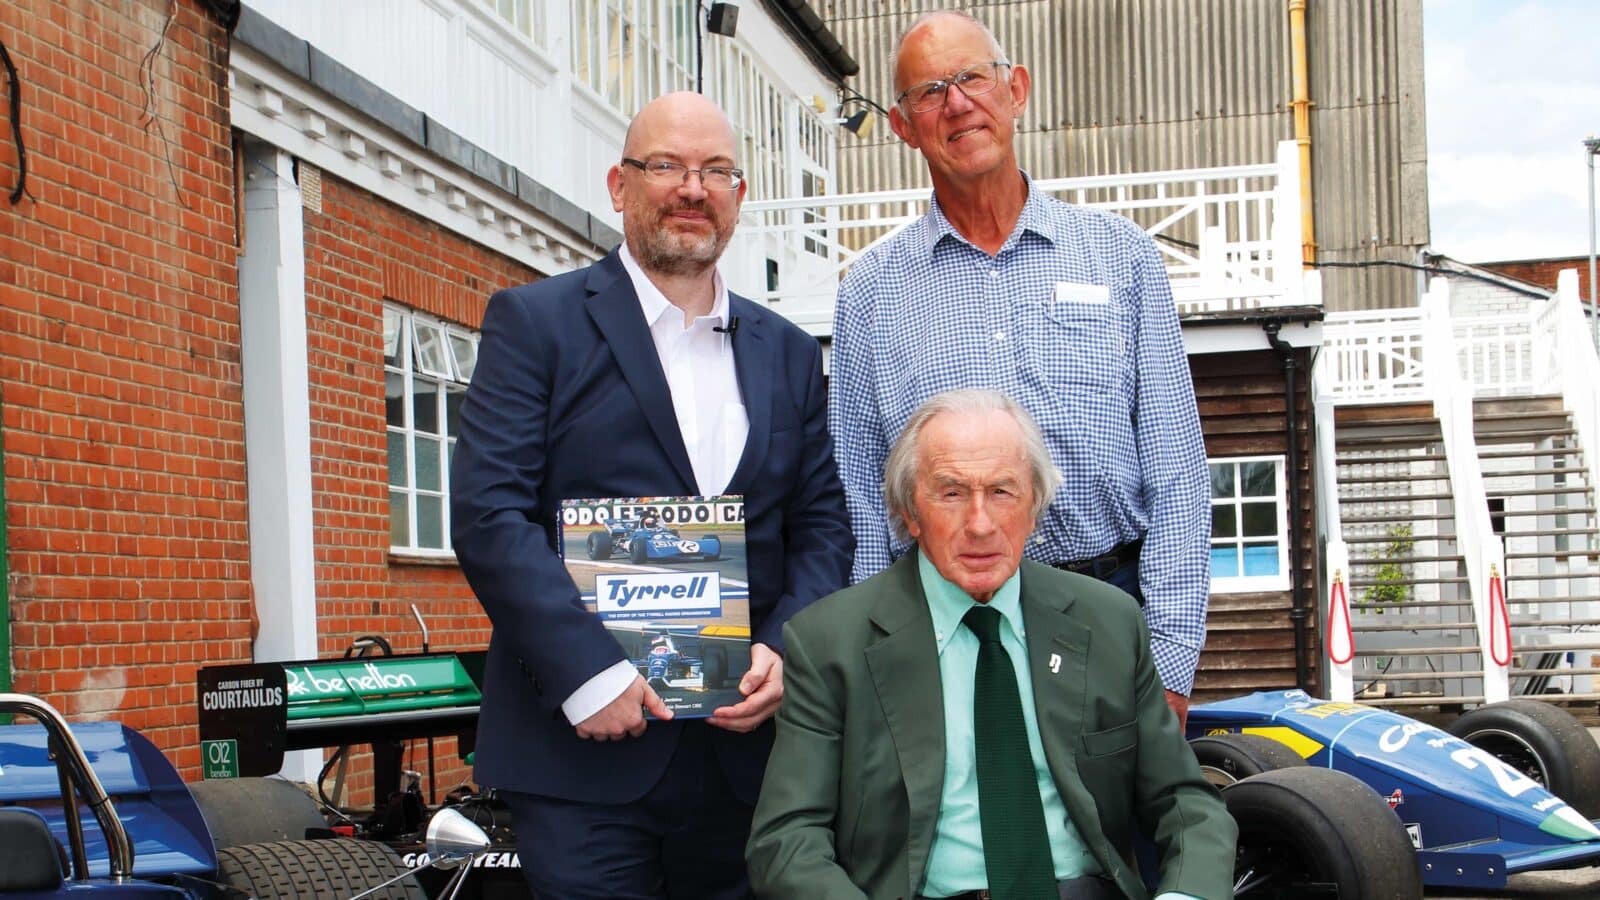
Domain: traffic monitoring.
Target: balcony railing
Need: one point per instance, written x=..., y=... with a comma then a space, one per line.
x=1230, y=236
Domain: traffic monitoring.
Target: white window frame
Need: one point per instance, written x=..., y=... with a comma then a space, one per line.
x=527, y=19
x=411, y=370
x=1252, y=583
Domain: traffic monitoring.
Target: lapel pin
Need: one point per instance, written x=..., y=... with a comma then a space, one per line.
x=1055, y=664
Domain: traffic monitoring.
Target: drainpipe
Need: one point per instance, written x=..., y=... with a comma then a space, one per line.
x=1301, y=104
x=5, y=581
x=1298, y=613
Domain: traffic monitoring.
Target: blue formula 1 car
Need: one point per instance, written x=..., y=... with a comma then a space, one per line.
x=1351, y=801
x=647, y=540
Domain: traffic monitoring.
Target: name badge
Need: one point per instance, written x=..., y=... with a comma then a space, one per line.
x=1070, y=292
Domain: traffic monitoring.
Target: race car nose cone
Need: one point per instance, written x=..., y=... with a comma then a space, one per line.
x=452, y=836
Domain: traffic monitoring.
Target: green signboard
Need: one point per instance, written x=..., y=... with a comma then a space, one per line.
x=219, y=759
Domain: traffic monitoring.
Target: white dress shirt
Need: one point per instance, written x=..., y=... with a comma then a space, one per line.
x=698, y=364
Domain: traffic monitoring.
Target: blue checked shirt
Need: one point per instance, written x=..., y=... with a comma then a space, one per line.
x=1074, y=319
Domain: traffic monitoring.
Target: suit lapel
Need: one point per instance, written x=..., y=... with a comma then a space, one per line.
x=752, y=362
x=614, y=307
x=1058, y=663
x=904, y=663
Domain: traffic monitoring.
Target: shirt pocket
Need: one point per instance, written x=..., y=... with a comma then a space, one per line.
x=1079, y=346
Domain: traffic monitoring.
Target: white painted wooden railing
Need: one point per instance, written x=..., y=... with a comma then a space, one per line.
x=1373, y=356
x=1230, y=236
x=1391, y=356
x=1483, y=551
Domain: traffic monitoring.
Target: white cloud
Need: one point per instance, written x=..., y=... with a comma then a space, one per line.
x=1512, y=91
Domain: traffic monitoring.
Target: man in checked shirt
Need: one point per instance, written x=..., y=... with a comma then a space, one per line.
x=1065, y=309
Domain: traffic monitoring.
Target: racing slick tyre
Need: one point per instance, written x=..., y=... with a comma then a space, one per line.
x=1313, y=832
x=714, y=669
x=599, y=545
x=712, y=554
x=315, y=870
x=1542, y=742
x=637, y=550
x=255, y=810
x=1227, y=758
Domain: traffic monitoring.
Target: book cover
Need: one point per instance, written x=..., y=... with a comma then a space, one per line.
x=667, y=576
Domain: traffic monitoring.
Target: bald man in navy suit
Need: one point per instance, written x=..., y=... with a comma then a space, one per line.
x=640, y=375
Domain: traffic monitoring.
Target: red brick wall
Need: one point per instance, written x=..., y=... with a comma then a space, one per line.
x=360, y=251
x=1543, y=272
x=119, y=368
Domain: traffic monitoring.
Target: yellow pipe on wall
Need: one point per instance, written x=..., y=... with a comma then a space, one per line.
x=1301, y=104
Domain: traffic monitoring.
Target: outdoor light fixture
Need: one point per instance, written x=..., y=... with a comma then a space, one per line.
x=723, y=18
x=858, y=123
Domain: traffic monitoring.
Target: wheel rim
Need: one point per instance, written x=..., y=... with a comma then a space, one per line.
x=1512, y=750
x=1268, y=865
x=1217, y=778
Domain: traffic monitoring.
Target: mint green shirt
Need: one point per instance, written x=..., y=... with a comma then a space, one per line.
x=955, y=861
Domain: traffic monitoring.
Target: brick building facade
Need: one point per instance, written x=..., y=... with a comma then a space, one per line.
x=126, y=500
x=123, y=424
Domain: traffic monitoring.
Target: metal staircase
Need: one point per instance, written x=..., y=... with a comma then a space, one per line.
x=1415, y=638
x=1537, y=485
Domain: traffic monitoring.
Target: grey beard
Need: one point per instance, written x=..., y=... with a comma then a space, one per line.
x=671, y=257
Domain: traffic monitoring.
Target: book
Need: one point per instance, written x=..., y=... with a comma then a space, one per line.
x=668, y=577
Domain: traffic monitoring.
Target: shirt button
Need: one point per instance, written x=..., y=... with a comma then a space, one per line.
x=994, y=273
x=999, y=335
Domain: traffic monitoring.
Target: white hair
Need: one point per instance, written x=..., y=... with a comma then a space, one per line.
x=995, y=49
x=900, y=470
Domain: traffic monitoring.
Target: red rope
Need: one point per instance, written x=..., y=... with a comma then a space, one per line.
x=1499, y=623
x=1339, y=623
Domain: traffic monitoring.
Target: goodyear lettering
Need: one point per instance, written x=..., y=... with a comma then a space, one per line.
x=491, y=860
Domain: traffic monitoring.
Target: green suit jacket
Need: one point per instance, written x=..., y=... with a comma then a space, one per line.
x=852, y=789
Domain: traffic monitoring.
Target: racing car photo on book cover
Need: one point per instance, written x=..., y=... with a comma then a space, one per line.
x=668, y=576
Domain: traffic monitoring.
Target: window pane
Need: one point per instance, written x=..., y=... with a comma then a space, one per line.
x=454, y=396
x=1224, y=521
x=466, y=355
x=428, y=464
x=1260, y=479
x=399, y=520
x=397, y=458
x=1260, y=559
x=394, y=399
x=1225, y=562
x=391, y=337
x=1221, y=480
x=425, y=405
x=430, y=349
x=1260, y=519
x=430, y=522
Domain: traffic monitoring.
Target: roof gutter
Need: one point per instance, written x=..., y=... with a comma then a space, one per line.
x=804, y=25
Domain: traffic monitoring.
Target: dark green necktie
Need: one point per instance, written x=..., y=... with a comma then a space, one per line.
x=1016, y=844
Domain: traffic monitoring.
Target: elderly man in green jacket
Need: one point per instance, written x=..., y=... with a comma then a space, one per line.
x=969, y=724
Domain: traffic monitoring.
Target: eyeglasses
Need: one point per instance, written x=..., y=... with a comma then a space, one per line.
x=714, y=178
x=976, y=79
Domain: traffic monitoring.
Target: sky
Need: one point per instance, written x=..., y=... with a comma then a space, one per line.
x=1513, y=89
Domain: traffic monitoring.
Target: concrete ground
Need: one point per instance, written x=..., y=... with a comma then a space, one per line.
x=1571, y=884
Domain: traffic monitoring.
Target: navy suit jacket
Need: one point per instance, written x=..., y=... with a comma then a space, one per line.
x=569, y=400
